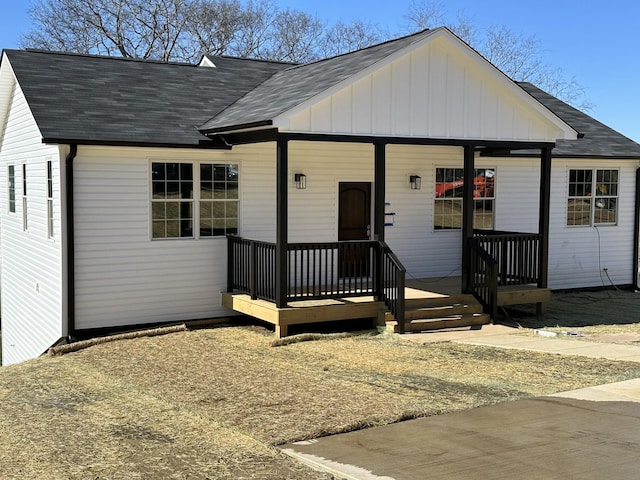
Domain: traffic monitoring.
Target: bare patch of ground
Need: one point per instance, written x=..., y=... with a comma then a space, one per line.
x=212, y=403
x=582, y=309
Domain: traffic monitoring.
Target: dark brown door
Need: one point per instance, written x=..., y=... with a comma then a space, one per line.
x=354, y=223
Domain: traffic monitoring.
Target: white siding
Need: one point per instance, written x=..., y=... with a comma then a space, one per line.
x=438, y=90
x=578, y=255
x=123, y=277
x=31, y=262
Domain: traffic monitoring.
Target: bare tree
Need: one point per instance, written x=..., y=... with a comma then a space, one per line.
x=343, y=38
x=519, y=56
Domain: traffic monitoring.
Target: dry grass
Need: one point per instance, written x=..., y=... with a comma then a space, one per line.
x=209, y=403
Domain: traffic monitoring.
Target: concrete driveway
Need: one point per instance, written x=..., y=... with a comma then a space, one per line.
x=587, y=434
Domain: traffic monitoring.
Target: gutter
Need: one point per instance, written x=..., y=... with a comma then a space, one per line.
x=71, y=281
x=636, y=234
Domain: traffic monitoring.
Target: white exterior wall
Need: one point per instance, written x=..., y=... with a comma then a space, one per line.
x=123, y=277
x=31, y=262
x=578, y=255
x=438, y=90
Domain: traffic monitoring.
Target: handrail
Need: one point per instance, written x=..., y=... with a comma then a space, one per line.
x=392, y=288
x=483, y=277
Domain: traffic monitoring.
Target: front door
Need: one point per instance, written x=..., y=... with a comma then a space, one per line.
x=354, y=223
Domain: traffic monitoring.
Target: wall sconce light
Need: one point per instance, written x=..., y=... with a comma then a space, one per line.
x=301, y=181
x=415, y=181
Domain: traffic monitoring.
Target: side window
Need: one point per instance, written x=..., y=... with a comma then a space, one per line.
x=25, y=216
x=172, y=200
x=218, y=199
x=12, y=188
x=448, y=198
x=592, y=197
x=49, y=199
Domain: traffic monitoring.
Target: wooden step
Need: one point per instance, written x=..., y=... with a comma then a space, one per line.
x=454, y=321
x=439, y=301
x=442, y=311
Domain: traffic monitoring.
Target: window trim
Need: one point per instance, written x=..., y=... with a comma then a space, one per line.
x=592, y=198
x=196, y=197
x=435, y=199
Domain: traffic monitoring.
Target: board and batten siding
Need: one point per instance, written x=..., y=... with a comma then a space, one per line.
x=123, y=277
x=32, y=268
x=578, y=255
x=438, y=90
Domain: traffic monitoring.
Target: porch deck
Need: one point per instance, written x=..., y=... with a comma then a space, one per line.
x=431, y=303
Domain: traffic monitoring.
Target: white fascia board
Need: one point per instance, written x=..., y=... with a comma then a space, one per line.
x=7, y=85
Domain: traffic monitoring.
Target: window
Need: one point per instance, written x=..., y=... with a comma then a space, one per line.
x=12, y=188
x=194, y=203
x=24, y=197
x=49, y=199
x=593, y=197
x=218, y=199
x=172, y=200
x=448, y=198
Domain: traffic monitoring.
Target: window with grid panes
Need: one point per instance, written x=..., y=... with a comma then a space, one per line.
x=448, y=198
x=172, y=199
x=593, y=197
x=218, y=199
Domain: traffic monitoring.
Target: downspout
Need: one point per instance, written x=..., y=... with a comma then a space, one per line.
x=636, y=234
x=71, y=281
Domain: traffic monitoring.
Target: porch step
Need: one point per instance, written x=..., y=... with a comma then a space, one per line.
x=443, y=311
x=440, y=301
x=453, y=321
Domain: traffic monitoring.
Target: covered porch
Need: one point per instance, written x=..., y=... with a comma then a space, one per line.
x=344, y=280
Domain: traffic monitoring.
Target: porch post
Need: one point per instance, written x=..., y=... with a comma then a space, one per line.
x=282, y=217
x=543, y=219
x=380, y=180
x=378, y=213
x=467, y=213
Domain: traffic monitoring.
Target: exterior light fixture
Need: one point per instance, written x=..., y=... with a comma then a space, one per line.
x=301, y=181
x=415, y=181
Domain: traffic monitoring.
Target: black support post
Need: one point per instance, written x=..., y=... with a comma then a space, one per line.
x=543, y=219
x=378, y=212
x=467, y=214
x=282, y=217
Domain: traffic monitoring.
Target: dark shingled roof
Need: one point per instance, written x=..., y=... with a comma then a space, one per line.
x=598, y=141
x=106, y=100
x=295, y=85
x=114, y=100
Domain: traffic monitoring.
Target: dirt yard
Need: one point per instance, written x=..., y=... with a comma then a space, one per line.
x=212, y=403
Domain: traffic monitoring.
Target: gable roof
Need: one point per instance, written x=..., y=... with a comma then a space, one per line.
x=114, y=101
x=110, y=100
x=596, y=139
x=292, y=86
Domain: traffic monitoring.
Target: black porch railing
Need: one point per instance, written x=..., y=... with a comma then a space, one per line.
x=499, y=259
x=326, y=270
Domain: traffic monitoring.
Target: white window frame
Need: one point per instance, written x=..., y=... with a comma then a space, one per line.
x=595, y=202
x=476, y=201
x=196, y=199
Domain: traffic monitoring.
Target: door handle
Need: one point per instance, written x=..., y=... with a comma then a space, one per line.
x=368, y=231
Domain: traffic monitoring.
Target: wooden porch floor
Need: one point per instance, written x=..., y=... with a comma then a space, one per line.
x=430, y=302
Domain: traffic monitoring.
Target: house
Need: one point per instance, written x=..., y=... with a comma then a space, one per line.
x=137, y=192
